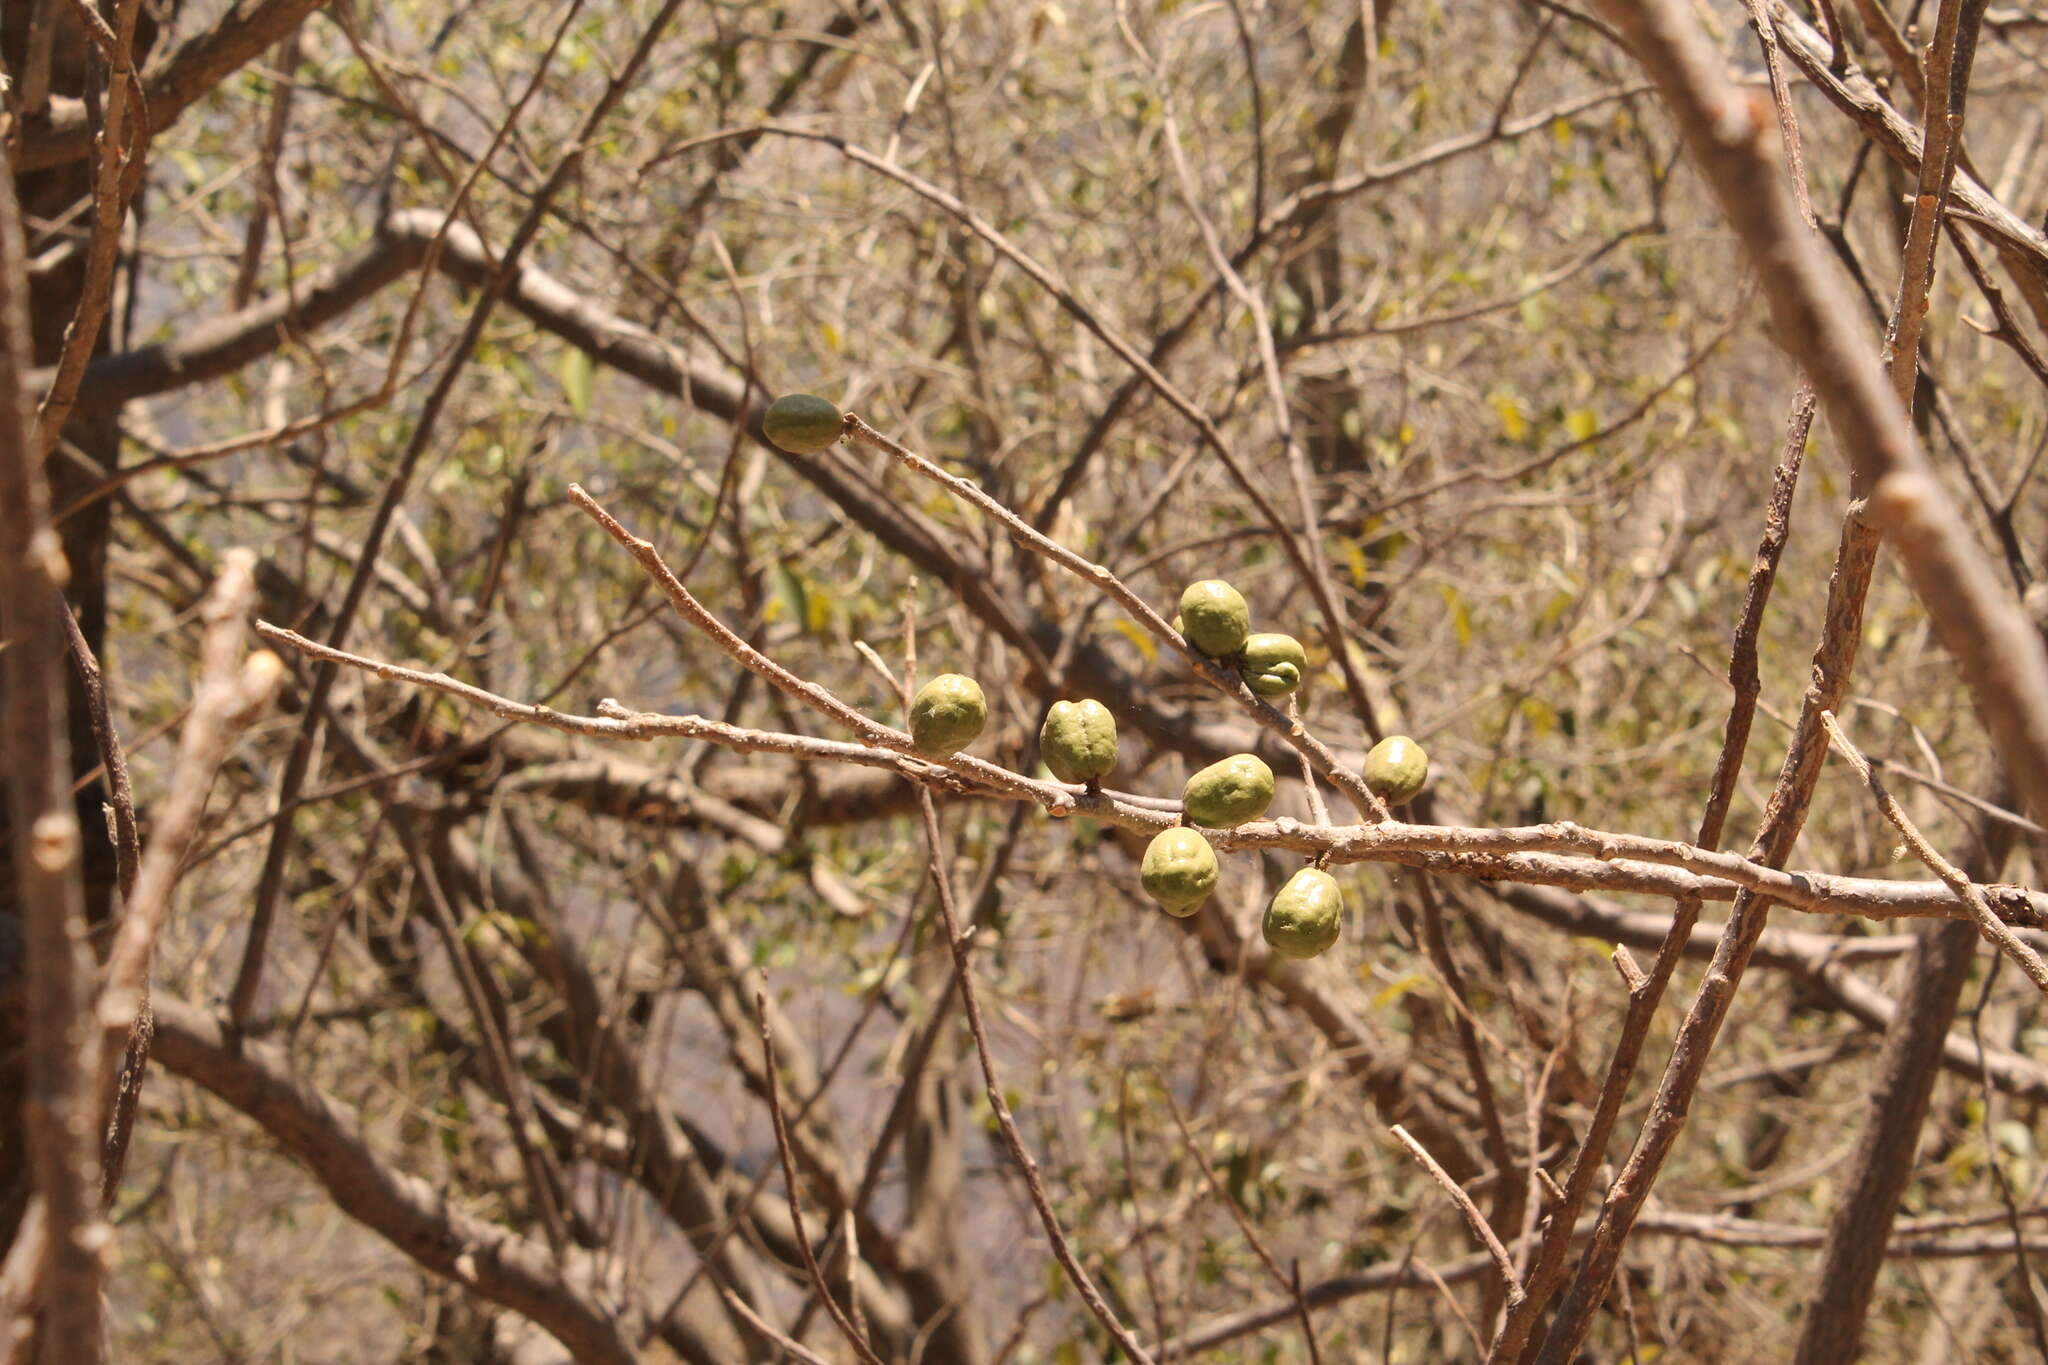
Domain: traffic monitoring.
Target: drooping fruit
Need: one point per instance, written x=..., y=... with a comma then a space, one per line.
x=1179, y=871
x=1224, y=795
x=1273, y=664
x=802, y=423
x=1214, y=617
x=1306, y=914
x=1078, y=741
x=947, y=713
x=1396, y=769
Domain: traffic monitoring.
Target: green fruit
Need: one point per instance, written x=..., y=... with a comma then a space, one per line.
x=1217, y=620
x=1396, y=769
x=1078, y=740
x=947, y=713
x=1225, y=795
x=802, y=423
x=1273, y=664
x=1179, y=871
x=1306, y=914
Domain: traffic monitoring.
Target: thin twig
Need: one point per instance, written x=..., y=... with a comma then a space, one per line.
x=2036, y=1319
x=1952, y=876
x=229, y=694
x=1438, y=948
x=1502, y=1262
x=121, y=151
x=770, y=1068
x=113, y=762
x=1000, y=1106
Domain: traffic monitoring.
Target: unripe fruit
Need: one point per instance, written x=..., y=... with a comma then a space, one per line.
x=1306, y=914
x=1214, y=616
x=1224, y=795
x=1396, y=769
x=802, y=423
x=1273, y=664
x=947, y=713
x=1179, y=871
x=1078, y=741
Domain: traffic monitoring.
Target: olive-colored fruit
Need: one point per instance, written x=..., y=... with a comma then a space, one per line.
x=947, y=713
x=1306, y=914
x=802, y=423
x=1396, y=769
x=1215, y=616
x=1078, y=740
x=1273, y=664
x=1224, y=795
x=1179, y=871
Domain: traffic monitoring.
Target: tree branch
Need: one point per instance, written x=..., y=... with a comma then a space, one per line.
x=64, y=133
x=414, y=1215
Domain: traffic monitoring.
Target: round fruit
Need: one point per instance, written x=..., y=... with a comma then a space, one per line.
x=1078, y=740
x=1225, y=795
x=1396, y=769
x=947, y=713
x=1306, y=914
x=1179, y=871
x=1273, y=664
x=1216, y=618
x=802, y=423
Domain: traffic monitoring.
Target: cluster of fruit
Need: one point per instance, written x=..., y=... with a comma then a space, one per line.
x=1078, y=744
x=1078, y=738
x=1179, y=870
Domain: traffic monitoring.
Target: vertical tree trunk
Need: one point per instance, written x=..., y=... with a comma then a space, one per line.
x=90, y=449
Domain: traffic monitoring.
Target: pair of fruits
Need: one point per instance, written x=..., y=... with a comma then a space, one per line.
x=1303, y=919
x=1078, y=739
x=1225, y=795
x=1214, y=619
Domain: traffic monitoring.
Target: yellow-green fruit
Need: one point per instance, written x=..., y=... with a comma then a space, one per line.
x=1179, y=871
x=1214, y=616
x=1225, y=795
x=1273, y=664
x=1396, y=769
x=802, y=423
x=947, y=713
x=1078, y=740
x=1306, y=914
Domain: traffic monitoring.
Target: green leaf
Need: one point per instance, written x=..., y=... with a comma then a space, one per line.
x=791, y=594
x=1140, y=639
x=1461, y=615
x=1354, y=555
x=1411, y=982
x=1514, y=422
x=574, y=372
